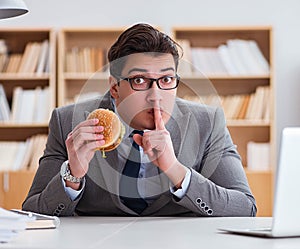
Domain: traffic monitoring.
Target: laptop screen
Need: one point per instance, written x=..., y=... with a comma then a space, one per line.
x=286, y=215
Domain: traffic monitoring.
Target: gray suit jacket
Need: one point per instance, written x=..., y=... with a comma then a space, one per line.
x=201, y=141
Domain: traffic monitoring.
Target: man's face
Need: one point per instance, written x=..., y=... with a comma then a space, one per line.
x=136, y=107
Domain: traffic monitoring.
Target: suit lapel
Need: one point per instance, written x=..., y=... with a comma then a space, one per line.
x=178, y=127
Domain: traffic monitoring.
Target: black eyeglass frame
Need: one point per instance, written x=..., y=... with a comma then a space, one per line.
x=177, y=77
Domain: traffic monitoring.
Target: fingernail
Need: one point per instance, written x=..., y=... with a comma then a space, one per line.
x=99, y=136
x=100, y=143
x=99, y=128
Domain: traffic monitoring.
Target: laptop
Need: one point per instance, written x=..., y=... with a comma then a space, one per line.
x=286, y=215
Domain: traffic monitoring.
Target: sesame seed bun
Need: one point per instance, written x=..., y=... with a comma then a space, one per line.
x=113, y=128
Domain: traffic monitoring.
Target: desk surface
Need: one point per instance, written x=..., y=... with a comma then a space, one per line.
x=149, y=232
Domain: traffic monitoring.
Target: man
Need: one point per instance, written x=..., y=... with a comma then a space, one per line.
x=187, y=162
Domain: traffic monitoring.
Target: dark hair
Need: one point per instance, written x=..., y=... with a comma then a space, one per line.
x=140, y=38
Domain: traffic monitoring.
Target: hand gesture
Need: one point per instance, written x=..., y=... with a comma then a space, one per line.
x=157, y=144
x=81, y=145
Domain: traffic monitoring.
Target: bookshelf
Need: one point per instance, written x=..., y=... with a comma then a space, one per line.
x=82, y=61
x=28, y=62
x=216, y=80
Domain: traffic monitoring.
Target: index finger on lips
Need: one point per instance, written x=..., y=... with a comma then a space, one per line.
x=159, y=123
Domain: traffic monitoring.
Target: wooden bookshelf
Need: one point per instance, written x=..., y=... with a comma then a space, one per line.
x=84, y=43
x=195, y=82
x=17, y=41
x=72, y=82
x=14, y=188
x=15, y=185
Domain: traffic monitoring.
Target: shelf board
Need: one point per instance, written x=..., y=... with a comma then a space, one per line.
x=86, y=76
x=4, y=125
x=213, y=29
x=24, y=76
x=246, y=123
x=261, y=172
x=222, y=76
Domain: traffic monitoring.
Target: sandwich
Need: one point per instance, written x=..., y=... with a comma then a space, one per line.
x=113, y=131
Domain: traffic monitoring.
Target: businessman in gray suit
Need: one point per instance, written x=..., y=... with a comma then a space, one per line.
x=187, y=163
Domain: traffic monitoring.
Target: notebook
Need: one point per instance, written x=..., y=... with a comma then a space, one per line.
x=286, y=215
x=39, y=221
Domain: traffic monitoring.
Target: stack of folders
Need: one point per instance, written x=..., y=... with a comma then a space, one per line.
x=14, y=221
x=11, y=224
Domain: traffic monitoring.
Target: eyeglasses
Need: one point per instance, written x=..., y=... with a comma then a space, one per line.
x=141, y=83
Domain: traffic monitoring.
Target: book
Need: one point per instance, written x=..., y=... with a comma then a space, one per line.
x=8, y=152
x=23, y=155
x=31, y=105
x=260, y=103
x=20, y=155
x=267, y=104
x=4, y=106
x=260, y=58
x=33, y=58
x=28, y=103
x=208, y=61
x=38, y=221
x=72, y=60
x=236, y=104
x=200, y=60
x=250, y=109
x=3, y=54
x=227, y=60
x=13, y=63
x=235, y=55
x=43, y=57
x=87, y=59
x=99, y=60
x=39, y=145
x=185, y=66
x=42, y=109
x=25, y=58
x=28, y=153
x=3, y=61
x=245, y=56
x=16, y=103
x=258, y=156
x=243, y=109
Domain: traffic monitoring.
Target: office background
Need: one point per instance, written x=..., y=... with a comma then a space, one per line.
x=282, y=15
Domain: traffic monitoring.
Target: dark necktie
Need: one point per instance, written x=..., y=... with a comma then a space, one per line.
x=128, y=184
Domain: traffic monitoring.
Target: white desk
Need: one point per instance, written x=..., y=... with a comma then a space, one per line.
x=149, y=232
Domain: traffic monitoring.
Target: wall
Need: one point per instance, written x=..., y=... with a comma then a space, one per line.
x=282, y=15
